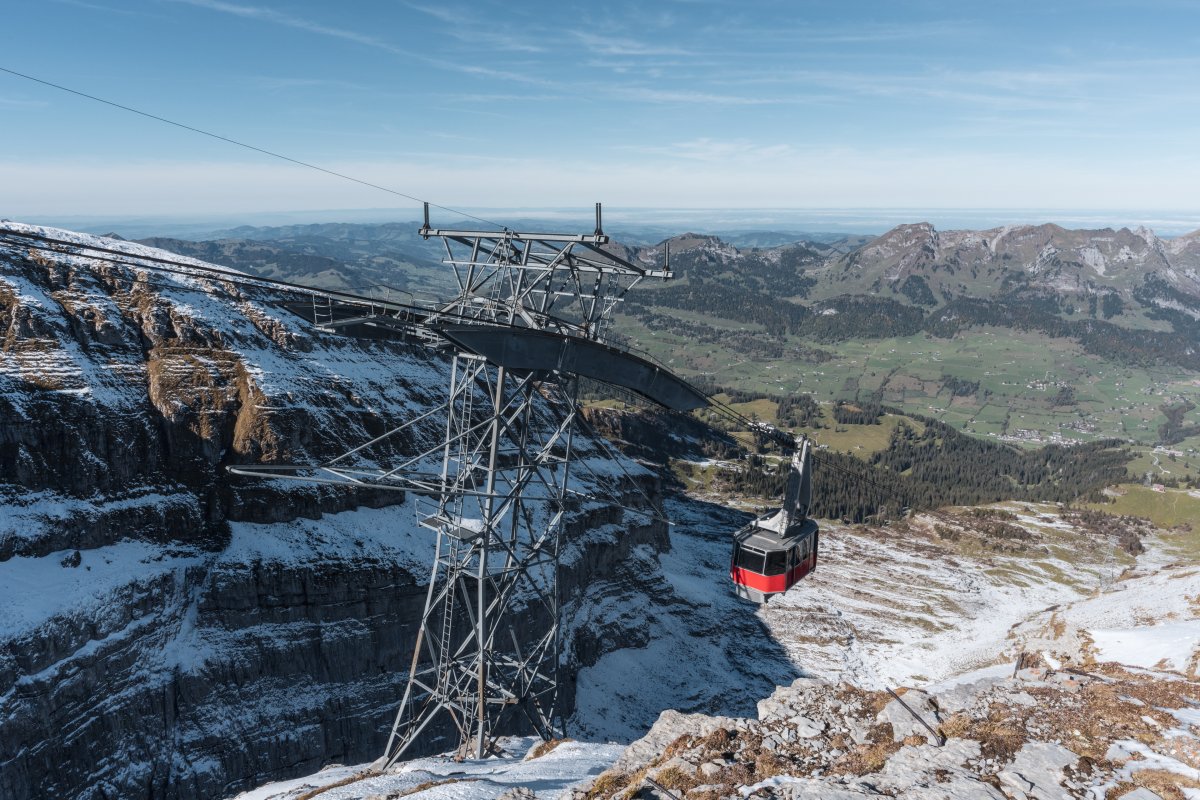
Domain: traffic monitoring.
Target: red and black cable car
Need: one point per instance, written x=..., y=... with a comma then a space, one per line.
x=775, y=551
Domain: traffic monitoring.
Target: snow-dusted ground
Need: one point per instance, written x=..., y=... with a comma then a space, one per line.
x=1149, y=620
x=705, y=649
x=880, y=610
x=883, y=609
x=549, y=775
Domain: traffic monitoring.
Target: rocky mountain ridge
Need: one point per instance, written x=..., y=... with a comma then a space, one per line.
x=979, y=263
x=1130, y=278
x=169, y=630
x=1043, y=257
x=1125, y=296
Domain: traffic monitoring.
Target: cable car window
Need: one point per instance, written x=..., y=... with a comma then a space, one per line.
x=747, y=559
x=776, y=562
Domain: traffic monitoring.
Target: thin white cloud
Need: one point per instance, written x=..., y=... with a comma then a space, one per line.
x=720, y=151
x=618, y=46
x=287, y=20
x=647, y=95
x=465, y=26
x=125, y=12
x=502, y=74
x=505, y=98
x=272, y=16
x=863, y=34
x=16, y=102
x=275, y=83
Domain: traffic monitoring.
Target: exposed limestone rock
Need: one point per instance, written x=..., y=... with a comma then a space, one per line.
x=900, y=715
x=1079, y=738
x=1037, y=771
x=517, y=793
x=670, y=726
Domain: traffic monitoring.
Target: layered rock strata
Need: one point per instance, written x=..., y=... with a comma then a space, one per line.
x=166, y=629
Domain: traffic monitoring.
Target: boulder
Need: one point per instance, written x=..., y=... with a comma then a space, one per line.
x=900, y=713
x=669, y=726
x=1037, y=771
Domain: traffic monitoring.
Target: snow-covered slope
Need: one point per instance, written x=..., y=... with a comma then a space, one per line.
x=166, y=629
x=904, y=602
x=521, y=766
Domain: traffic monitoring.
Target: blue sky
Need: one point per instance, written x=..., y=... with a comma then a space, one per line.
x=681, y=103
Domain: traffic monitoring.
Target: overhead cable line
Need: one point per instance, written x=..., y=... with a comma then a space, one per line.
x=264, y=151
x=175, y=267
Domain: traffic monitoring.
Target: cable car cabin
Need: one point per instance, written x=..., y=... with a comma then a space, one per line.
x=772, y=553
x=766, y=563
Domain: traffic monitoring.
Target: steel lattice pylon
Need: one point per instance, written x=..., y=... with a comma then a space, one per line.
x=488, y=642
x=498, y=525
x=504, y=489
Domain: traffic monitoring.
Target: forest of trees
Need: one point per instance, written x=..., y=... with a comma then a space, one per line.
x=960, y=387
x=1126, y=345
x=794, y=410
x=866, y=412
x=941, y=467
x=916, y=289
x=1176, y=428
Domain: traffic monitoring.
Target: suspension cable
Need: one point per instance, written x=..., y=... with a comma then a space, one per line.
x=235, y=142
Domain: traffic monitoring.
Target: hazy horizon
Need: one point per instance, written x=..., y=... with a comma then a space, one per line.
x=866, y=221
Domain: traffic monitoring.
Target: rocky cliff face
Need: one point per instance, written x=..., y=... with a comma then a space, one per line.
x=167, y=630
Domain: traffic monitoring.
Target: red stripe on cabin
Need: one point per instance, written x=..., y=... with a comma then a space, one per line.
x=763, y=583
x=772, y=584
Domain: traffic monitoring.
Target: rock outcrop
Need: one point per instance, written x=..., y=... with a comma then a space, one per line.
x=1041, y=735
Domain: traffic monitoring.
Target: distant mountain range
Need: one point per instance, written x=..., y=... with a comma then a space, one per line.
x=1122, y=293
x=1043, y=257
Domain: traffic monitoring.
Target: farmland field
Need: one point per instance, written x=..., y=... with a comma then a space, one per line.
x=996, y=382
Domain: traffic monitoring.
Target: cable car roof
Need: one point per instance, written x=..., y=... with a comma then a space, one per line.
x=759, y=538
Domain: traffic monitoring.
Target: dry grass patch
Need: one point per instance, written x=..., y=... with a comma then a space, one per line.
x=768, y=765
x=720, y=741
x=1164, y=783
x=609, y=784
x=865, y=758
x=676, y=780
x=872, y=702
x=1089, y=720
x=955, y=726
x=542, y=748
x=1000, y=736
x=358, y=776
